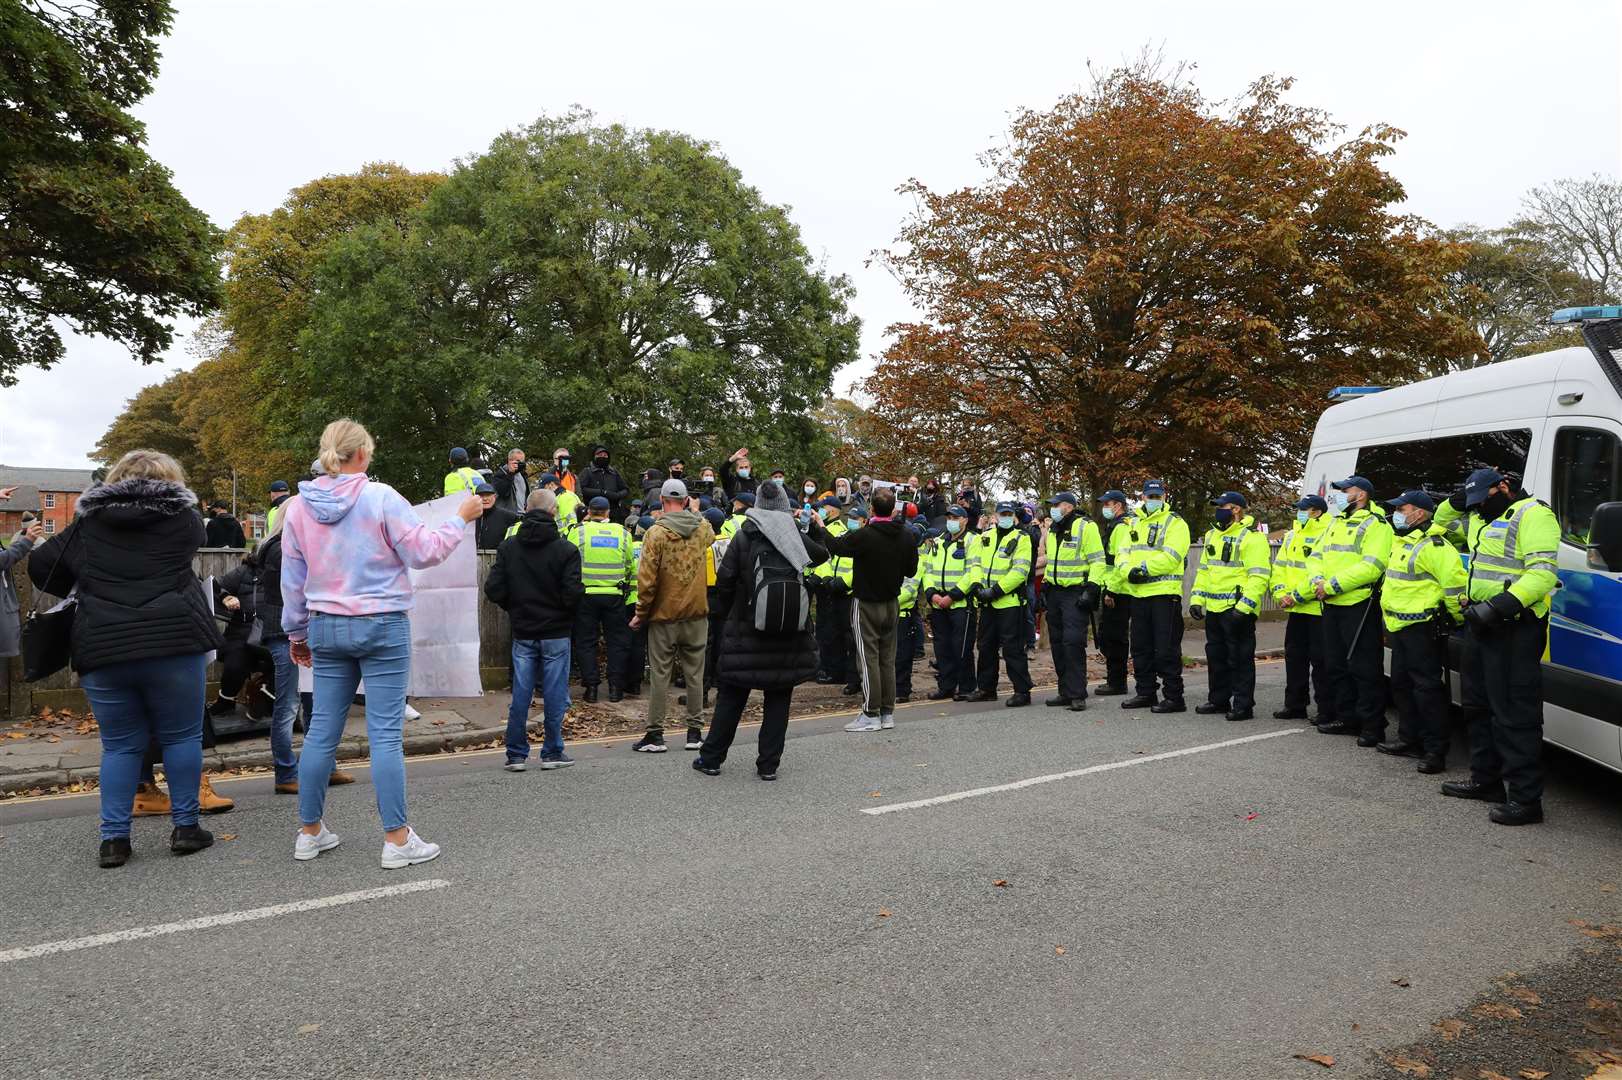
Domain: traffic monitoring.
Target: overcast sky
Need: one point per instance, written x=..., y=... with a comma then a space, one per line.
x=824, y=107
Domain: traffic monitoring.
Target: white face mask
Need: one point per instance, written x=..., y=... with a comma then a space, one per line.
x=1154, y=506
x=1005, y=522
x=1301, y=517
x=1339, y=500
x=953, y=525
x=1399, y=520
x=1055, y=513
x=810, y=489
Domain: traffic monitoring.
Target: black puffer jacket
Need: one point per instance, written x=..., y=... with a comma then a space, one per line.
x=240, y=581
x=267, y=593
x=536, y=580
x=749, y=658
x=130, y=551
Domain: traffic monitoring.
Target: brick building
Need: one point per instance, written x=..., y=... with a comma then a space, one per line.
x=50, y=494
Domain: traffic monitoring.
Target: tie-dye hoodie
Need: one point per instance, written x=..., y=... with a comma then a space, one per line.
x=346, y=545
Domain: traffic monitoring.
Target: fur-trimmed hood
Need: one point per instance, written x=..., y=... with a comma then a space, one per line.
x=136, y=501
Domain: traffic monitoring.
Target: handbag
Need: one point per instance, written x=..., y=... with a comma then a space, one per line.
x=47, y=636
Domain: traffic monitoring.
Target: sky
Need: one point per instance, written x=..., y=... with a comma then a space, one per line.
x=825, y=108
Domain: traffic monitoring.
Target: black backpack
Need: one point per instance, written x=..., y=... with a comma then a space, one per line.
x=778, y=596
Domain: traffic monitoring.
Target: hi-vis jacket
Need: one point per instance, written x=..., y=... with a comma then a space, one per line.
x=1289, y=576
x=1078, y=558
x=606, y=559
x=1003, y=561
x=1158, y=544
x=1515, y=552
x=462, y=481
x=1425, y=578
x=1233, y=569
x=947, y=565
x=1352, y=557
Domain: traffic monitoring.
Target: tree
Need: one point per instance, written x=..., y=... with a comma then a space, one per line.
x=153, y=420
x=1506, y=287
x=576, y=284
x=92, y=231
x=1148, y=285
x=1581, y=221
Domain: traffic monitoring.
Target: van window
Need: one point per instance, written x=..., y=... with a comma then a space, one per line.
x=1440, y=465
x=1586, y=464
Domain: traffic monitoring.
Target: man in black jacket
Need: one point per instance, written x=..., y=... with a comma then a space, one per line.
x=511, y=482
x=604, y=481
x=223, y=530
x=882, y=553
x=491, y=528
x=536, y=580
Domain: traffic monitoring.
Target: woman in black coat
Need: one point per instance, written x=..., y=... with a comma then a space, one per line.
x=750, y=660
x=141, y=636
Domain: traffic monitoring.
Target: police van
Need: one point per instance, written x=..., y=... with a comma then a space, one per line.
x=1555, y=420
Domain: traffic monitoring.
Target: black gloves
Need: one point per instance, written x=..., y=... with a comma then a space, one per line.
x=1456, y=500
x=1490, y=615
x=1197, y=611
x=996, y=592
x=1137, y=575
x=985, y=594
x=1090, y=595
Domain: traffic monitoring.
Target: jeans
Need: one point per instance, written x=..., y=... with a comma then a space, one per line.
x=551, y=655
x=348, y=648
x=135, y=702
x=284, y=712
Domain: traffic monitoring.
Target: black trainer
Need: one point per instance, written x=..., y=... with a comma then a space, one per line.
x=695, y=738
x=700, y=765
x=1455, y=789
x=186, y=839
x=114, y=852
x=651, y=743
x=766, y=775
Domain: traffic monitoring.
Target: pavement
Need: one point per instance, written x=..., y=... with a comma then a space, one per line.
x=1043, y=894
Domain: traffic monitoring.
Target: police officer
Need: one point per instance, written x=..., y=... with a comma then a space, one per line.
x=1422, y=601
x=1306, y=676
x=606, y=566
x=948, y=570
x=463, y=478
x=741, y=504
x=906, y=644
x=1513, y=540
x=1227, y=596
x=1343, y=572
x=831, y=581
x=278, y=495
x=1074, y=583
x=1153, y=553
x=1115, y=612
x=1003, y=565
x=568, y=505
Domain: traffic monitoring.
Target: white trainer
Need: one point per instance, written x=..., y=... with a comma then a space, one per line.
x=887, y=720
x=307, y=847
x=414, y=850
x=412, y=714
x=864, y=723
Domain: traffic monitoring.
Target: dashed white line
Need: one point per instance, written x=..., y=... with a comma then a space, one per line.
x=209, y=922
x=973, y=793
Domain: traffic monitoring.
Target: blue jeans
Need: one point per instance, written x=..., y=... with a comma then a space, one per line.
x=134, y=703
x=348, y=648
x=284, y=711
x=551, y=655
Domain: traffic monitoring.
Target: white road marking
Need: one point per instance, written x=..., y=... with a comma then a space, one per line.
x=956, y=796
x=208, y=922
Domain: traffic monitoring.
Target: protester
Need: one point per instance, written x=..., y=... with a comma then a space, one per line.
x=511, y=482
x=347, y=543
x=21, y=544
x=496, y=521
x=765, y=644
x=671, y=602
x=536, y=579
x=567, y=481
x=737, y=474
x=141, y=636
x=603, y=481
x=234, y=600
x=223, y=530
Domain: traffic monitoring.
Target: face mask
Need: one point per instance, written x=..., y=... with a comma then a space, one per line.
x=826, y=512
x=602, y=462
x=677, y=474
x=1055, y=513
x=1224, y=517
x=1154, y=506
x=810, y=489
x=744, y=472
x=1399, y=520
x=1493, y=506
x=953, y=525
x=855, y=523
x=563, y=463
x=1108, y=512
x=1301, y=517
x=1006, y=521
x=1339, y=500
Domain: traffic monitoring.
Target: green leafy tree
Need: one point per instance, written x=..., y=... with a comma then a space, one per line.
x=1508, y=283
x=92, y=231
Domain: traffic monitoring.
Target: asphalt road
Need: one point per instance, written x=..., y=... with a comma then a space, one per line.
x=1217, y=912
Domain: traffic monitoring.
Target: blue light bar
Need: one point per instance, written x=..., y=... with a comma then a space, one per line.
x=1346, y=393
x=1586, y=314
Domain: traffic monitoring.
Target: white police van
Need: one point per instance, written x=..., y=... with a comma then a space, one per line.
x=1554, y=419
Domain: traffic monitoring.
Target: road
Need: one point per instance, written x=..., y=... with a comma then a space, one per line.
x=1205, y=914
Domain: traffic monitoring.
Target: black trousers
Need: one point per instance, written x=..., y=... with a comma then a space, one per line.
x=729, y=703
x=1067, y=637
x=1003, y=630
x=906, y=651
x=1306, y=678
x=238, y=660
x=954, y=631
x=637, y=661
x=712, y=648
x=1157, y=645
x=602, y=613
x=1503, y=706
x=1355, y=660
x=1114, y=638
x=834, y=644
x=1416, y=683
x=918, y=630
x=1230, y=654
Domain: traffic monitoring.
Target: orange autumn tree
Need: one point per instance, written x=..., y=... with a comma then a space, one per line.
x=1153, y=284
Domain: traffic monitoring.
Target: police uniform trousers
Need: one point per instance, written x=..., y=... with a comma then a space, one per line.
x=1003, y=630
x=834, y=642
x=1306, y=677
x=1417, y=686
x=1114, y=638
x=1067, y=618
x=638, y=661
x=1356, y=662
x=602, y=613
x=1503, y=705
x=906, y=652
x=1230, y=655
x=1157, y=645
x=954, y=633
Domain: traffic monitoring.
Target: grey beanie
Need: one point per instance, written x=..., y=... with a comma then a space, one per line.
x=769, y=496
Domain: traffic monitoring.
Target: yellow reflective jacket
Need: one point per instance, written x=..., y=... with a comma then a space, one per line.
x=1352, y=558
x=1233, y=569
x=1425, y=576
x=1158, y=544
x=1515, y=552
x=1289, y=577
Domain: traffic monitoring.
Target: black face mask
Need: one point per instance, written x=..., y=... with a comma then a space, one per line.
x=602, y=462
x=677, y=474
x=1493, y=506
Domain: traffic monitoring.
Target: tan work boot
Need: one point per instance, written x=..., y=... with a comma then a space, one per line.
x=209, y=802
x=150, y=801
x=290, y=787
x=339, y=777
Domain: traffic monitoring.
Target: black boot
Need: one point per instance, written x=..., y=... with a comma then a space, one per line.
x=1210, y=708
x=1138, y=701
x=187, y=839
x=982, y=695
x=1057, y=702
x=1338, y=727
x=1493, y=792
x=1169, y=706
x=1106, y=690
x=1401, y=748
x=1018, y=701
x=1433, y=764
x=1514, y=813
x=1289, y=714
x=1078, y=705
x=114, y=852
x=1241, y=714
x=941, y=695
x=616, y=694
x=591, y=692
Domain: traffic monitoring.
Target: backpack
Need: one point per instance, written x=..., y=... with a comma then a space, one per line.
x=781, y=606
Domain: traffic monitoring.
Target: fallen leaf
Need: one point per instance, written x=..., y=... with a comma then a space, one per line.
x=884, y=913
x=1357, y=1027
x=1317, y=1059
x=309, y=1029
x=1600, y=1003
x=1607, y=888
x=16, y=734
x=227, y=836
x=1450, y=1029
x=1409, y=1067
x=1488, y=1074
x=1000, y=883
x=438, y=723
x=1402, y=982
x=1494, y=1010
x=1533, y=1074
x=1058, y=950
x=875, y=794
x=1524, y=995
x=53, y=738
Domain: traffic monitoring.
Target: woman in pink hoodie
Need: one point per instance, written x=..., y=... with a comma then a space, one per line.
x=347, y=543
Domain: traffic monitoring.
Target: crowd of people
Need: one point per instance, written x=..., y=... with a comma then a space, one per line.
x=726, y=582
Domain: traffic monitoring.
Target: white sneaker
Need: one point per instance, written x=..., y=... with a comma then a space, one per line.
x=414, y=850
x=307, y=847
x=864, y=723
x=887, y=720
x=412, y=714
